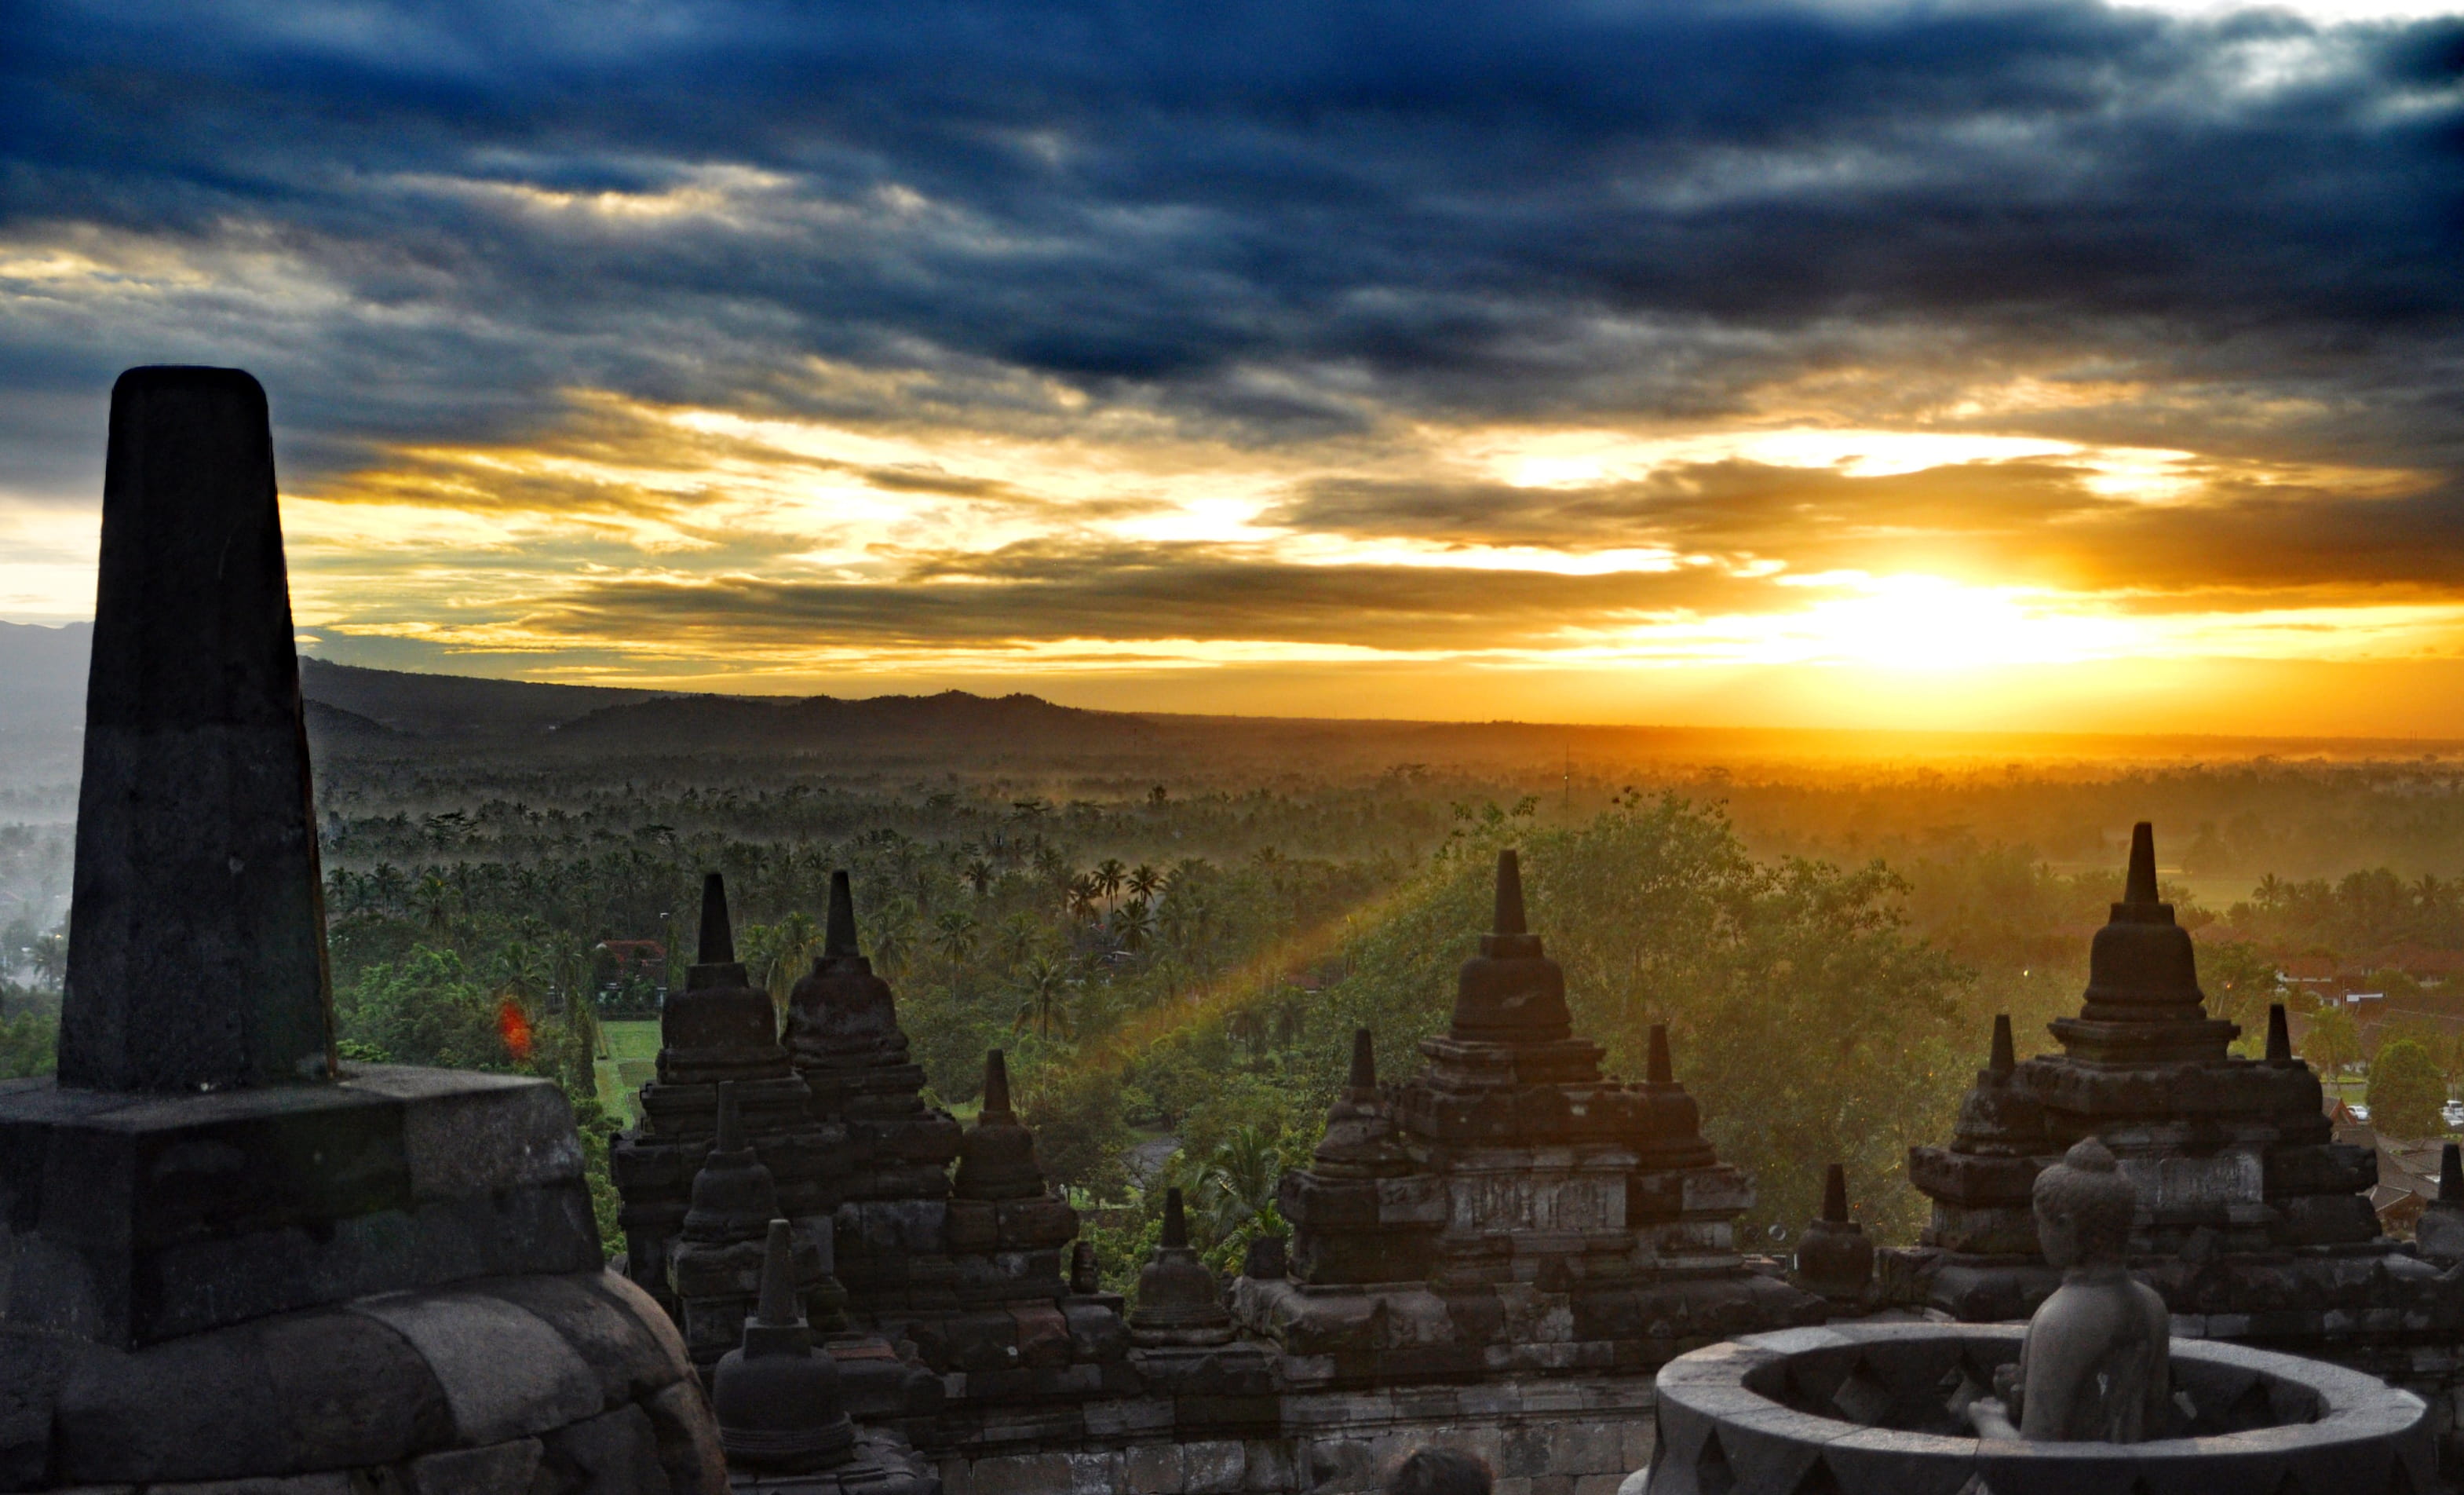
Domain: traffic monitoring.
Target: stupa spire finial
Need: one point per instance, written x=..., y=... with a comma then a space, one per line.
x=1509, y=894
x=2451, y=1175
x=1657, y=1069
x=838, y=939
x=1835, y=1195
x=2280, y=1034
x=1363, y=1078
x=995, y=1083
x=718, y=933
x=778, y=1308
x=2005, y=1056
x=2140, y=887
x=1175, y=1223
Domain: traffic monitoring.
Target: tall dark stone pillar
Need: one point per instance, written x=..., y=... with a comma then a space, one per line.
x=214, y=1275
x=196, y=937
x=141, y=1208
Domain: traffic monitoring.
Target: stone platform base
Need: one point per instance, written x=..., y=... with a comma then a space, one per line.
x=543, y=1385
x=2280, y=1298
x=1542, y=1436
x=884, y=1464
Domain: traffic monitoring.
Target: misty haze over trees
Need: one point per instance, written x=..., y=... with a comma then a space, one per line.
x=1172, y=924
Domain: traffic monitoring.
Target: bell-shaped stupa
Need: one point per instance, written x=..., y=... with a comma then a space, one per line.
x=720, y=1029
x=1508, y=1210
x=1179, y=1302
x=714, y=1270
x=2248, y=1205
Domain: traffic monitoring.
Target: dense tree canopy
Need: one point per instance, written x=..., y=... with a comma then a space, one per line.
x=2406, y=1091
x=1808, y=1024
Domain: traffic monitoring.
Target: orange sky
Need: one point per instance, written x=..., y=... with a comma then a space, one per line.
x=2045, y=366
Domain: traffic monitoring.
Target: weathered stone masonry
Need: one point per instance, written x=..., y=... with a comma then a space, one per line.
x=223, y=1256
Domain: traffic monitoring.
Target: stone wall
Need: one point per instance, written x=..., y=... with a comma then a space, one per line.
x=2428, y=1367
x=1543, y=1437
x=563, y=1385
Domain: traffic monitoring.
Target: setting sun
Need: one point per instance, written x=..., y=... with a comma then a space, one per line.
x=1924, y=622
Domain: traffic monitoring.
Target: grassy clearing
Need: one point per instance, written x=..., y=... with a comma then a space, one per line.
x=637, y=1041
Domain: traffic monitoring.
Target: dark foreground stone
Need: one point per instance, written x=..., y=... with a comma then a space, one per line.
x=196, y=939
x=136, y=1218
x=1872, y=1409
x=526, y=1386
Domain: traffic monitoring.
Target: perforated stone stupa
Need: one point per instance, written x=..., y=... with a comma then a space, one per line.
x=920, y=1269
x=721, y=1030
x=2252, y=1216
x=844, y=1039
x=1510, y=1210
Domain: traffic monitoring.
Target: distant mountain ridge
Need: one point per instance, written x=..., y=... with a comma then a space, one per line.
x=454, y=705
x=43, y=679
x=688, y=724
x=356, y=710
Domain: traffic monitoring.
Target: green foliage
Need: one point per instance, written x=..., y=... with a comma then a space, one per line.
x=1229, y=1189
x=2331, y=1041
x=1080, y=1128
x=2359, y=912
x=427, y=1010
x=1124, y=1238
x=29, y=1043
x=2407, y=1092
x=1806, y=1020
x=2240, y=980
x=423, y=1010
x=1225, y=937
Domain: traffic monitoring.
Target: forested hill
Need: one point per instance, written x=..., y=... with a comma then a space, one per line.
x=955, y=718
x=454, y=706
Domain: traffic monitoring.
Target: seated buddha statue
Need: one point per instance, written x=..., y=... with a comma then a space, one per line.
x=2093, y=1366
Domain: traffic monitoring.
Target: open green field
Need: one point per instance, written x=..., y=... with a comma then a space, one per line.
x=637, y=1041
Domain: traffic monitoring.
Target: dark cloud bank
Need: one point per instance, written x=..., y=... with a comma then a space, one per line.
x=1276, y=220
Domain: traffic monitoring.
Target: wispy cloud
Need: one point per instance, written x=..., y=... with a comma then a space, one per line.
x=1479, y=331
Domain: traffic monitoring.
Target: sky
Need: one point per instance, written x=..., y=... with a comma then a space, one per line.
x=2021, y=364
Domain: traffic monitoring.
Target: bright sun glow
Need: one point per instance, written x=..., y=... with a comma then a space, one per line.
x=1927, y=623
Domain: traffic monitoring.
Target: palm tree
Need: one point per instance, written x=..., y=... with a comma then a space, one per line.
x=1144, y=881
x=1083, y=893
x=521, y=972
x=51, y=960
x=890, y=939
x=1133, y=924
x=954, y=934
x=1108, y=875
x=786, y=948
x=980, y=876
x=1237, y=1179
x=1186, y=920
x=1045, y=986
x=1020, y=933
x=568, y=968
x=434, y=898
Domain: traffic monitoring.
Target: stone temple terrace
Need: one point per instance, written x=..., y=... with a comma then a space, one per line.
x=233, y=1262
